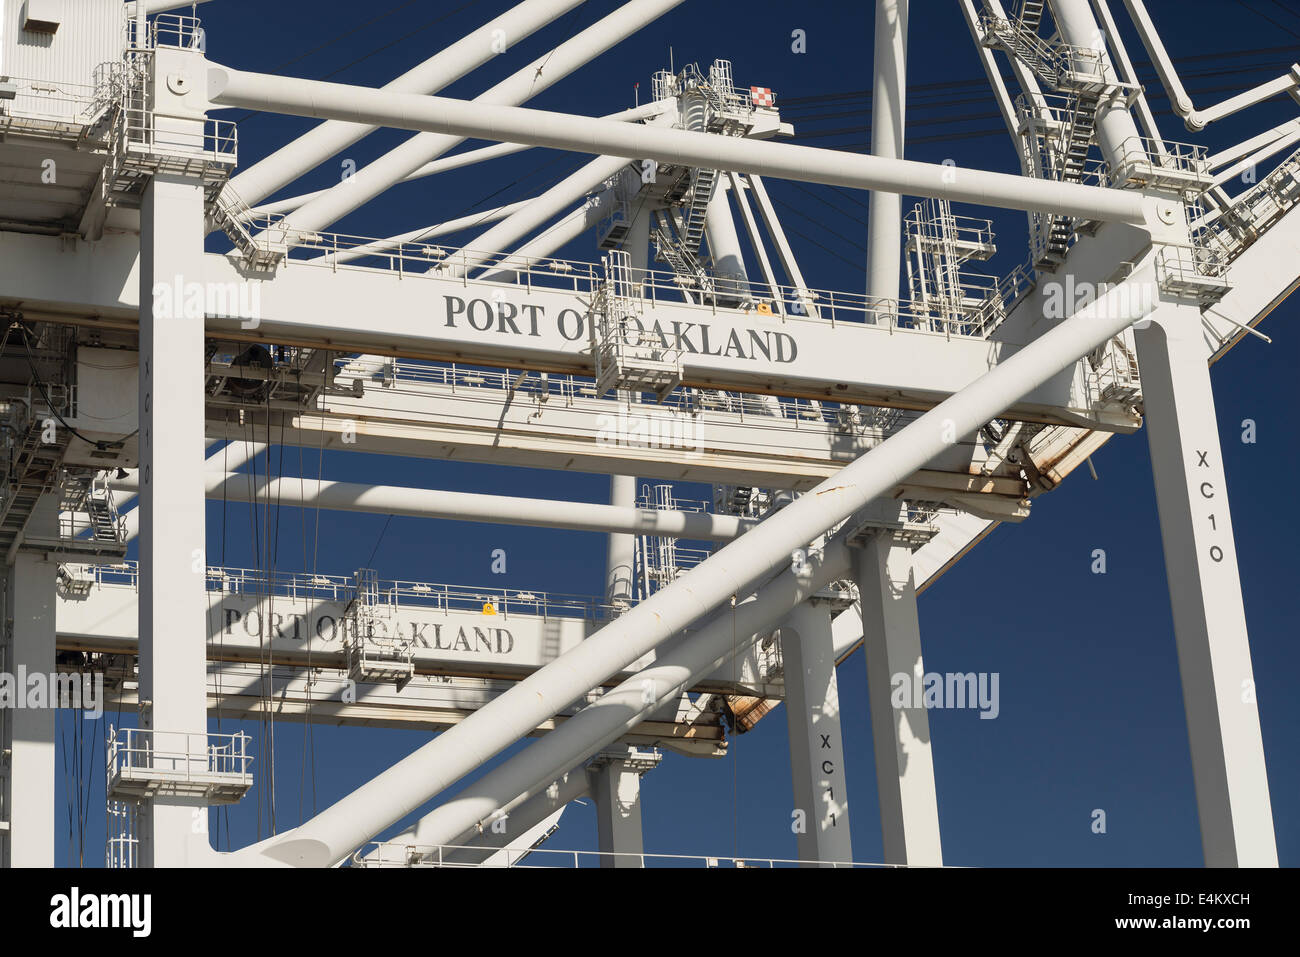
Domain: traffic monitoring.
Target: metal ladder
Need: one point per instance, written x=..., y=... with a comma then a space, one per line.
x=1031, y=14
x=35, y=472
x=1073, y=157
x=685, y=264
x=704, y=183
x=1020, y=38
x=103, y=515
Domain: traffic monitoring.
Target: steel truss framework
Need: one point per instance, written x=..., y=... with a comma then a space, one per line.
x=873, y=435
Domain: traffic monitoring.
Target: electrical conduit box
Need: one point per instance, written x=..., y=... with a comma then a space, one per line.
x=42, y=16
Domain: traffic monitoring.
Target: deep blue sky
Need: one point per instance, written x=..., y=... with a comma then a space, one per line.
x=1091, y=708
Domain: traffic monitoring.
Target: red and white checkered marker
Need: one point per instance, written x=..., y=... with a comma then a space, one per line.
x=761, y=96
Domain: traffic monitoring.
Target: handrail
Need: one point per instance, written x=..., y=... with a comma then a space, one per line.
x=397, y=854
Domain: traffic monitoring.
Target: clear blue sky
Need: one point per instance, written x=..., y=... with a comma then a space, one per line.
x=1091, y=706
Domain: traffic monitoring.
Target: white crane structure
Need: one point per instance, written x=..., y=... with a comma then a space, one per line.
x=859, y=442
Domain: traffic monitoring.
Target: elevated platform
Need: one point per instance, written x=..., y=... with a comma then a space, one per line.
x=206, y=768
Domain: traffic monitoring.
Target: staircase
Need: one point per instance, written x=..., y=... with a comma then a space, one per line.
x=1077, y=141
x=705, y=182
x=686, y=265
x=1031, y=14
x=230, y=214
x=1019, y=37
x=103, y=515
x=35, y=471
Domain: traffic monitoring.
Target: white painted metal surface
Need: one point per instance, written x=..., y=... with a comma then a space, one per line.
x=873, y=407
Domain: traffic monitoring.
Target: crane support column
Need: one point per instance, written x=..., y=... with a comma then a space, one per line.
x=724, y=246
x=622, y=548
x=812, y=705
x=616, y=786
x=173, y=656
x=909, y=807
x=30, y=774
x=888, y=105
x=1205, y=590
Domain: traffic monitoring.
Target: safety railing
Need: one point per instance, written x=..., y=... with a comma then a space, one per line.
x=195, y=757
x=584, y=278
x=177, y=32
x=391, y=593
x=1147, y=162
x=1253, y=212
x=1195, y=271
x=1061, y=64
x=769, y=412
x=210, y=141
x=397, y=854
x=49, y=100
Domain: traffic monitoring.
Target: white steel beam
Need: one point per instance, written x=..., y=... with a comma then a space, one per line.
x=509, y=828
x=315, y=305
x=428, y=232
x=1234, y=153
x=909, y=810
x=620, y=559
x=222, y=460
x=542, y=209
x=1129, y=75
x=394, y=166
x=888, y=112
x=148, y=7
x=1182, y=103
x=621, y=517
x=1232, y=794
x=784, y=252
x=724, y=245
x=467, y=158
x=812, y=706
x=1261, y=155
x=994, y=76
x=470, y=52
x=264, y=92
x=335, y=832
x=618, y=711
x=1117, y=133
x=173, y=659
x=738, y=188
x=544, y=244
x=30, y=774
x=616, y=787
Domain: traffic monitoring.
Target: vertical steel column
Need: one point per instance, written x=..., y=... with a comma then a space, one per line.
x=1117, y=132
x=1209, y=618
x=724, y=244
x=173, y=662
x=616, y=787
x=620, y=580
x=888, y=107
x=909, y=807
x=622, y=548
x=637, y=242
x=31, y=771
x=812, y=708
